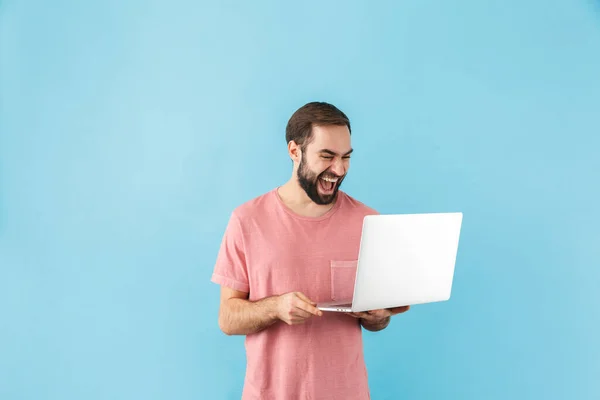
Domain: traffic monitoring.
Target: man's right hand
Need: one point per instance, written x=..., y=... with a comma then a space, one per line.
x=295, y=308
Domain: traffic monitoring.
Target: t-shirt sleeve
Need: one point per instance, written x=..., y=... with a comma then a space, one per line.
x=372, y=211
x=230, y=268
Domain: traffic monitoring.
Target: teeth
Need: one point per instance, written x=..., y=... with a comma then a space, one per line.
x=330, y=179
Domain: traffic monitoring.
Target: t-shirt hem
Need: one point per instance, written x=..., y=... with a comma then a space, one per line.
x=229, y=282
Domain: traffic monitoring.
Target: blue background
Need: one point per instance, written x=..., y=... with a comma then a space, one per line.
x=130, y=130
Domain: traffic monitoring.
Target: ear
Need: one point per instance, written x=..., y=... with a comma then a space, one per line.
x=294, y=151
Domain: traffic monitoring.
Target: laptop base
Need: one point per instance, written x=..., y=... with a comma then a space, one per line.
x=335, y=306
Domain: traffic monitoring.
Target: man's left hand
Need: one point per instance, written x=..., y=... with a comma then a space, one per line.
x=378, y=319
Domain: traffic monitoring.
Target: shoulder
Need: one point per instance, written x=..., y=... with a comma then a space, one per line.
x=255, y=207
x=357, y=205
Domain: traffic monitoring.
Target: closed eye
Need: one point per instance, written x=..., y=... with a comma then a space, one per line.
x=327, y=154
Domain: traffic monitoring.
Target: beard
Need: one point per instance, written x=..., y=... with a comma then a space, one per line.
x=309, y=181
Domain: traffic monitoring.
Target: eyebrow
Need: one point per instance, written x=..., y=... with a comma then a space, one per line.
x=333, y=153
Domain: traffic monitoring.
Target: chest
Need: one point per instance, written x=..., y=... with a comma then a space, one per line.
x=319, y=261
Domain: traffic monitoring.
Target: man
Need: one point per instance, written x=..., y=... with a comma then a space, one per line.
x=288, y=249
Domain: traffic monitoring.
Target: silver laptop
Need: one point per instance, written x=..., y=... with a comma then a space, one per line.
x=404, y=259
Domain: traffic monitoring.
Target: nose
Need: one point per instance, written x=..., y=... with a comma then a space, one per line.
x=337, y=167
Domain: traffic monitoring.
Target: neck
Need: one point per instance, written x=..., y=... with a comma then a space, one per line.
x=296, y=199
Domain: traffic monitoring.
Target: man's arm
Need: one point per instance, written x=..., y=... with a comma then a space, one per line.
x=240, y=316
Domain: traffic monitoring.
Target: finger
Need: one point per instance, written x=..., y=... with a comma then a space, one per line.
x=359, y=314
x=371, y=318
x=303, y=305
x=308, y=305
x=310, y=309
x=300, y=313
x=399, y=310
x=295, y=321
x=379, y=314
x=304, y=298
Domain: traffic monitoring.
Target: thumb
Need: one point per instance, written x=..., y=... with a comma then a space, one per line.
x=304, y=298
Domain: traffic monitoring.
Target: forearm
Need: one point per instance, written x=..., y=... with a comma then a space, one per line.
x=375, y=326
x=244, y=317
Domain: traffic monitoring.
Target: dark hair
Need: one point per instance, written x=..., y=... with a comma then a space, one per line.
x=299, y=127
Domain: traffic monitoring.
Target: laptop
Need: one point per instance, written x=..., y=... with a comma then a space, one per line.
x=403, y=259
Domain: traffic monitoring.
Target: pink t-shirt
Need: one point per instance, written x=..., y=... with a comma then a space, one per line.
x=269, y=250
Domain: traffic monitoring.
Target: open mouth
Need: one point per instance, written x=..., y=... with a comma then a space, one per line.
x=327, y=184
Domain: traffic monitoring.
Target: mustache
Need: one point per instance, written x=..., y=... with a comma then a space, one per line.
x=330, y=175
